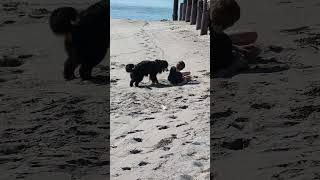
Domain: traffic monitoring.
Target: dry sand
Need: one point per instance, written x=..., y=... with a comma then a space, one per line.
x=265, y=122
x=159, y=132
x=50, y=128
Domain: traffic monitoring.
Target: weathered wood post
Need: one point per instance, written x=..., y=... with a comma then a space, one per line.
x=175, y=10
x=205, y=18
x=188, y=10
x=184, y=10
x=180, y=11
x=199, y=14
x=194, y=12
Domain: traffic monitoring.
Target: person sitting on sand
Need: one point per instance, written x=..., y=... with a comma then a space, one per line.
x=176, y=77
x=228, y=53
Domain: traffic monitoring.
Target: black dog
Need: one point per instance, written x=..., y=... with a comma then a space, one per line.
x=145, y=68
x=86, y=36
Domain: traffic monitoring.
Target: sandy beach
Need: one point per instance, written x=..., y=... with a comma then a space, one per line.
x=265, y=121
x=50, y=128
x=159, y=132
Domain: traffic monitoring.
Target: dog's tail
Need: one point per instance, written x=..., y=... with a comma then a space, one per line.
x=129, y=67
x=62, y=20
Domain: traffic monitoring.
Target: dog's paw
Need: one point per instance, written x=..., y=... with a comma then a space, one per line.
x=69, y=78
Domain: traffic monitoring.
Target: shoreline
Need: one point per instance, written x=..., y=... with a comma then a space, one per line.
x=128, y=19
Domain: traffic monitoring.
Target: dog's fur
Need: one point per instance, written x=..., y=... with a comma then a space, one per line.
x=86, y=35
x=145, y=68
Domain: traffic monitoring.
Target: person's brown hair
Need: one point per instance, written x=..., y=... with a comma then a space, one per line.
x=224, y=12
x=181, y=64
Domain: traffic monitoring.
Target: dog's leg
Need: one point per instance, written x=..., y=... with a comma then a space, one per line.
x=85, y=71
x=137, y=83
x=69, y=66
x=131, y=82
x=153, y=78
x=138, y=80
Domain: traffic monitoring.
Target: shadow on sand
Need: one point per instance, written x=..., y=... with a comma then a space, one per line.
x=167, y=84
x=260, y=65
x=100, y=80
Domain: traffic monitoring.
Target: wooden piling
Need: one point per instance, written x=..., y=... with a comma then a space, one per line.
x=199, y=14
x=175, y=10
x=184, y=10
x=205, y=18
x=194, y=12
x=180, y=11
x=188, y=10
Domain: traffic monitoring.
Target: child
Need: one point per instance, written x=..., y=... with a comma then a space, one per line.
x=179, y=78
x=228, y=54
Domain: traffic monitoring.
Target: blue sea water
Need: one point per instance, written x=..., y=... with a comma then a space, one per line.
x=151, y=10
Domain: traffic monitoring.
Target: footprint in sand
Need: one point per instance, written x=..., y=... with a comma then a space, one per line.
x=134, y=131
x=147, y=119
x=17, y=71
x=236, y=144
x=237, y=125
x=315, y=91
x=3, y=80
x=261, y=106
x=241, y=119
x=137, y=139
x=197, y=164
x=166, y=156
x=126, y=168
x=122, y=136
x=143, y=163
x=39, y=13
x=7, y=22
x=276, y=49
x=182, y=124
x=222, y=114
x=164, y=142
x=186, y=177
x=173, y=117
x=183, y=107
x=114, y=81
x=160, y=127
x=135, y=151
x=10, y=62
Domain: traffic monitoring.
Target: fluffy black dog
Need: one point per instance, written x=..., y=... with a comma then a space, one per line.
x=86, y=34
x=145, y=68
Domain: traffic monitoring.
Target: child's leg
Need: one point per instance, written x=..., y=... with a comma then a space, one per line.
x=243, y=38
x=253, y=50
x=239, y=63
x=188, y=78
x=183, y=82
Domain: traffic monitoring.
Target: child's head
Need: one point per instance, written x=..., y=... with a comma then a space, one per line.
x=180, y=65
x=224, y=13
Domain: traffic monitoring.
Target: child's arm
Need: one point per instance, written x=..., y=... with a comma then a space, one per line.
x=241, y=50
x=185, y=73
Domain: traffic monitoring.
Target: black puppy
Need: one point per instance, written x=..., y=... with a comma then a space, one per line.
x=86, y=36
x=145, y=68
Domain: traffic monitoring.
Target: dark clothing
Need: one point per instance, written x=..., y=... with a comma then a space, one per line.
x=221, y=55
x=175, y=77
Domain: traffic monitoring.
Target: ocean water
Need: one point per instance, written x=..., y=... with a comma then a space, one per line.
x=150, y=10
